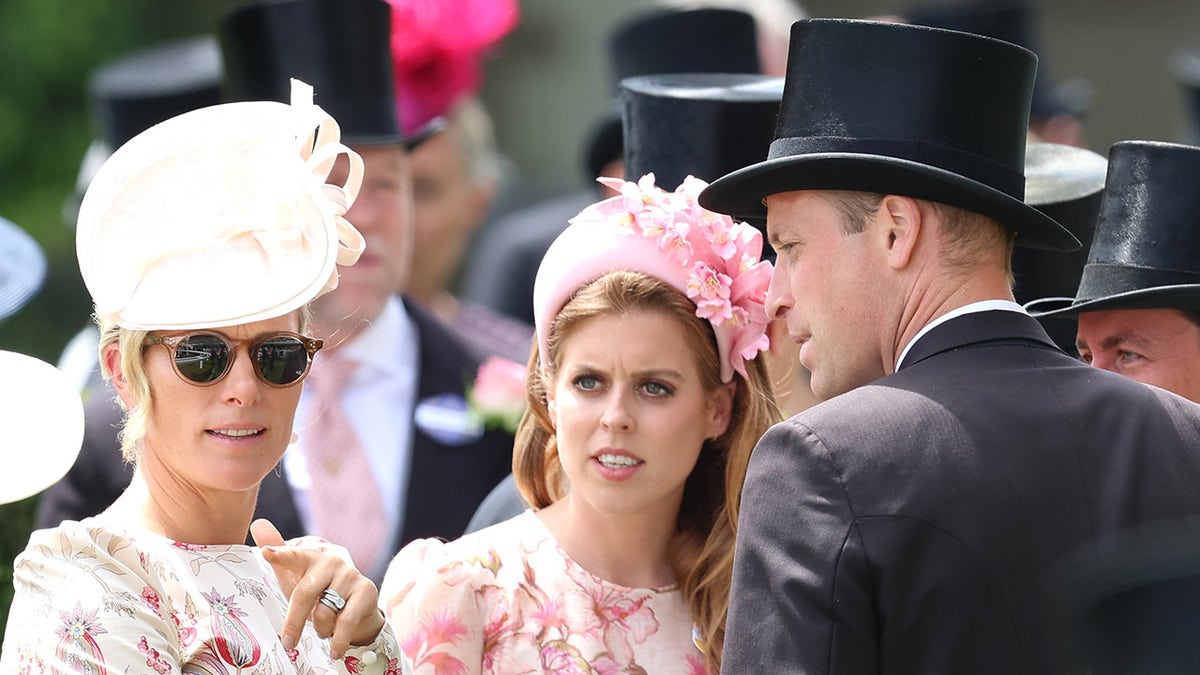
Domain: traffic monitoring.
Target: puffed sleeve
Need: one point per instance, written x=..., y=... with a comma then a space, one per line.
x=429, y=595
x=800, y=600
x=80, y=606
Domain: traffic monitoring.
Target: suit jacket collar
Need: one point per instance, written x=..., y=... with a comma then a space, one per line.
x=990, y=326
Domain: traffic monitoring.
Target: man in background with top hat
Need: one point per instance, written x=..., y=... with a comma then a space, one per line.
x=1138, y=303
x=907, y=523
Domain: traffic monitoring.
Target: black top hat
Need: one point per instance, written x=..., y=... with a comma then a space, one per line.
x=1146, y=249
x=1009, y=20
x=704, y=125
x=341, y=47
x=706, y=40
x=900, y=109
x=134, y=92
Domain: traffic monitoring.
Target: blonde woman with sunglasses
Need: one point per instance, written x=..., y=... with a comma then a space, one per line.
x=201, y=241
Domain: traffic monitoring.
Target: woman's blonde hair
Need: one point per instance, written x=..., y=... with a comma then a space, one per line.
x=702, y=549
x=131, y=346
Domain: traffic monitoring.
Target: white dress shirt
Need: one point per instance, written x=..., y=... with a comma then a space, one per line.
x=384, y=382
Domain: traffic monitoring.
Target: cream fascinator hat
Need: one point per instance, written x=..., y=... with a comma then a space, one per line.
x=219, y=216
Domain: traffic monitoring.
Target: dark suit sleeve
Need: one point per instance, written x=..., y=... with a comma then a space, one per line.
x=99, y=474
x=801, y=599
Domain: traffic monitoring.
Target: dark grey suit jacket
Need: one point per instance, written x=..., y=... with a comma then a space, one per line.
x=446, y=482
x=911, y=525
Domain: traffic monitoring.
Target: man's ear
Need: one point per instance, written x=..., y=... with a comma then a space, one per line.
x=112, y=361
x=901, y=218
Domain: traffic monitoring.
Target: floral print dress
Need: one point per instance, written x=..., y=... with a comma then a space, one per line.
x=91, y=598
x=508, y=599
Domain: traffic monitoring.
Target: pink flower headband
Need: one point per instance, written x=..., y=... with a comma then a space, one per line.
x=436, y=50
x=712, y=259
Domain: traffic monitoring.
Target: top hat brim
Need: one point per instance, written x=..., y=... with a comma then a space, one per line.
x=410, y=143
x=742, y=192
x=1179, y=296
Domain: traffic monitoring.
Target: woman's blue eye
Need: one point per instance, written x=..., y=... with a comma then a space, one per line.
x=587, y=382
x=657, y=389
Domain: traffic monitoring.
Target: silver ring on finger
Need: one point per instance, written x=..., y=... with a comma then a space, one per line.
x=333, y=600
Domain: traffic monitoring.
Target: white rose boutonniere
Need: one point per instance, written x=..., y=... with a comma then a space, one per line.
x=497, y=397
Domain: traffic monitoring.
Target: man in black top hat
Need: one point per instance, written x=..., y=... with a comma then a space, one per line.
x=907, y=523
x=405, y=400
x=1138, y=304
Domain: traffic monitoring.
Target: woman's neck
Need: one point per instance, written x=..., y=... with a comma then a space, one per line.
x=158, y=502
x=625, y=549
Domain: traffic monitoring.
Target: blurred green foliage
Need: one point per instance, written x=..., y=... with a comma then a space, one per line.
x=47, y=48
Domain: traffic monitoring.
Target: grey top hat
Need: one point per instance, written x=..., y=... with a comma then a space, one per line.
x=22, y=268
x=1146, y=249
x=952, y=127
x=1065, y=183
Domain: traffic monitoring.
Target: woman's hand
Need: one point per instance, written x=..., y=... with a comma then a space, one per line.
x=305, y=573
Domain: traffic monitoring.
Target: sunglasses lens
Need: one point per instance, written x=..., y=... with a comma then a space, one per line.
x=202, y=358
x=281, y=359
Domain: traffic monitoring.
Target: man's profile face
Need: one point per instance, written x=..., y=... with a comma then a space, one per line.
x=822, y=288
x=1153, y=346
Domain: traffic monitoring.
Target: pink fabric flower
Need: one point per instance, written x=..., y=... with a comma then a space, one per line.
x=497, y=397
x=713, y=259
x=437, y=48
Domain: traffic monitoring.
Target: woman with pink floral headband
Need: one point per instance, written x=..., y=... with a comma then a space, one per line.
x=646, y=393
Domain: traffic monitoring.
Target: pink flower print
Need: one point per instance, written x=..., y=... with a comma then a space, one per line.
x=438, y=628
x=189, y=547
x=352, y=665
x=624, y=618
x=77, y=650
x=709, y=289
x=150, y=597
x=204, y=662
x=153, y=659
x=186, y=631
x=560, y=658
x=232, y=639
x=393, y=667
x=292, y=654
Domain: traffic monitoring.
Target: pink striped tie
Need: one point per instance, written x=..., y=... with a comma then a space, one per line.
x=345, y=497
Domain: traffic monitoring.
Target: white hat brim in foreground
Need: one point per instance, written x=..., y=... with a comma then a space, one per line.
x=43, y=416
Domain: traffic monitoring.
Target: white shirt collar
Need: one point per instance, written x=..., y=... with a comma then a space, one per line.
x=384, y=346
x=981, y=306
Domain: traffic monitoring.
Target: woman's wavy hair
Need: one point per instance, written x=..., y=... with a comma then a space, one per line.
x=702, y=550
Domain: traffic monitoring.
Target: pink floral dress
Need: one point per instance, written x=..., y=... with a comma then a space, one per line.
x=95, y=599
x=508, y=600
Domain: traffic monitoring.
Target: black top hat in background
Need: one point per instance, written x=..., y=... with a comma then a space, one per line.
x=706, y=40
x=704, y=125
x=340, y=47
x=1065, y=183
x=136, y=91
x=900, y=109
x=1013, y=21
x=1146, y=249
